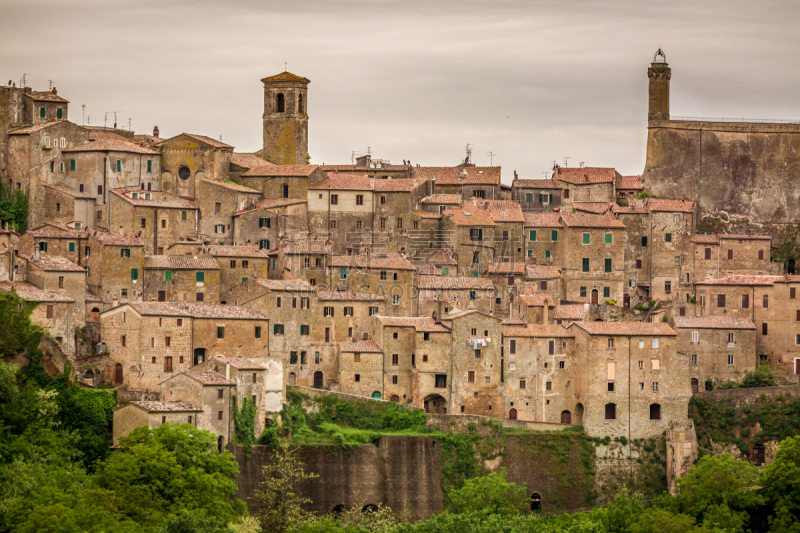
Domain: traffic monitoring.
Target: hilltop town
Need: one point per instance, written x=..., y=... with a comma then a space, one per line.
x=185, y=274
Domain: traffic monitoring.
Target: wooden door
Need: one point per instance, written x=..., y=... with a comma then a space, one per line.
x=595, y=296
x=566, y=417
x=317, y=380
x=512, y=414
x=695, y=386
x=94, y=316
x=118, y=374
x=797, y=366
x=327, y=334
x=626, y=301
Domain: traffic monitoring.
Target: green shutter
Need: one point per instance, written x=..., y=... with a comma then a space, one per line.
x=200, y=276
x=269, y=222
x=244, y=278
x=86, y=251
x=119, y=165
x=587, y=238
x=59, y=113
x=668, y=237
x=583, y=292
x=608, y=265
x=183, y=215
x=532, y=236
x=72, y=247
x=530, y=253
x=445, y=271
x=554, y=235
x=608, y=238
x=529, y=198
x=134, y=273
x=220, y=332
x=72, y=164
x=547, y=254
x=585, y=264
x=149, y=165
x=41, y=112
x=606, y=292
x=168, y=275
x=342, y=273
x=275, y=329
x=475, y=274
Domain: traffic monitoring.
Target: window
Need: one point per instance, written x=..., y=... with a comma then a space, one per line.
x=554, y=235
x=764, y=328
x=610, y=342
x=721, y=300
x=529, y=198
x=125, y=252
x=707, y=252
x=731, y=338
x=611, y=411
x=277, y=329
x=655, y=342
x=304, y=304
x=119, y=165
x=327, y=311
x=608, y=264
x=583, y=292
x=510, y=280
x=587, y=238
x=585, y=264
x=608, y=238
x=610, y=386
x=551, y=347
x=305, y=330
x=655, y=386
x=512, y=347
x=644, y=242
x=333, y=224
x=359, y=199
x=792, y=293
x=200, y=276
x=667, y=287
x=475, y=234
x=42, y=114
x=134, y=273
x=765, y=301
x=357, y=377
x=167, y=342
x=199, y=297
x=334, y=199
x=548, y=385
x=258, y=332
x=475, y=257
x=668, y=237
x=566, y=193
x=294, y=305
x=396, y=299
x=220, y=332
x=477, y=354
x=219, y=415
x=677, y=261
x=606, y=292
x=383, y=200
x=42, y=246
x=373, y=311
x=395, y=359
x=505, y=235
x=532, y=235
x=399, y=223
x=695, y=336
x=655, y=411
x=342, y=273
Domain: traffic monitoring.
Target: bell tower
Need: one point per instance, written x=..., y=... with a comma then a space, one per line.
x=285, y=119
x=659, y=74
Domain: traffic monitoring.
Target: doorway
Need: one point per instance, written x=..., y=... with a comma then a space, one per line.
x=626, y=301
x=695, y=386
x=162, y=296
x=94, y=315
x=758, y=454
x=435, y=404
x=512, y=414
x=579, y=414
x=566, y=417
x=595, y=297
x=199, y=355
x=118, y=374
x=318, y=381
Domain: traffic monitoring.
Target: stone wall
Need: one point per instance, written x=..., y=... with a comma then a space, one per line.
x=484, y=424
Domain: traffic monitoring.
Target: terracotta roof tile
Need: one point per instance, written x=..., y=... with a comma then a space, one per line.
x=195, y=310
x=634, y=207
x=346, y=296
x=454, y=283
x=56, y=231
x=513, y=322
x=45, y=96
x=515, y=268
x=345, y=182
x=220, y=250
x=470, y=217
x=374, y=170
x=165, y=407
x=368, y=346
x=585, y=175
x=744, y=237
x=427, y=214
x=663, y=204
x=111, y=145
x=443, y=199
x=420, y=323
x=248, y=160
x=535, y=184
x=537, y=330
x=179, y=262
x=542, y=272
x=203, y=139
x=451, y=175
x=288, y=171
x=158, y=199
x=230, y=186
x=28, y=292
x=538, y=299
x=504, y=210
x=27, y=130
x=570, y=312
x=207, y=378
x=710, y=238
x=626, y=328
x=593, y=207
x=306, y=247
x=398, y=185
x=239, y=363
x=71, y=192
x=117, y=239
x=542, y=220
x=376, y=261
x=741, y=280
x=630, y=183
x=436, y=257
x=286, y=76
x=271, y=203
x=714, y=322
x=586, y=220
x=54, y=263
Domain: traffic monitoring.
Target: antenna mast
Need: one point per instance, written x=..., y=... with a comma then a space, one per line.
x=51, y=84
x=491, y=157
x=468, y=160
x=566, y=161
x=83, y=112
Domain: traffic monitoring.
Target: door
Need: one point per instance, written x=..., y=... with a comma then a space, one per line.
x=94, y=316
x=695, y=386
x=595, y=296
x=797, y=366
x=512, y=414
x=317, y=380
x=327, y=334
x=162, y=296
x=626, y=301
x=566, y=417
x=118, y=374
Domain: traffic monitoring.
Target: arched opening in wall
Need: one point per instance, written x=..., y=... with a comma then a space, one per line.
x=88, y=377
x=536, y=502
x=300, y=104
x=695, y=386
x=376, y=395
x=435, y=404
x=758, y=454
x=566, y=417
x=338, y=510
x=655, y=411
x=318, y=380
x=220, y=443
x=395, y=398
x=512, y=414
x=595, y=296
x=369, y=508
x=598, y=319
x=118, y=374
x=790, y=267
x=280, y=103
x=94, y=315
x=611, y=411
x=292, y=378
x=199, y=356
x=579, y=414
x=184, y=172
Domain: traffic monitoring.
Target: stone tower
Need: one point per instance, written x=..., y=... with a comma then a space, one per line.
x=659, y=74
x=286, y=119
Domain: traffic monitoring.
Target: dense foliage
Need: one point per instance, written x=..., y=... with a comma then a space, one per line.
x=14, y=209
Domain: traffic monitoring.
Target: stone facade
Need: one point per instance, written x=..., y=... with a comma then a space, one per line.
x=270, y=222
x=238, y=264
x=188, y=158
x=212, y=392
x=536, y=195
x=218, y=202
x=116, y=271
x=158, y=217
x=152, y=414
x=285, y=119
x=388, y=275
x=180, y=279
x=286, y=182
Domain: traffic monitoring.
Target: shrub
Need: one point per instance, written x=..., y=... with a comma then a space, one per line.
x=762, y=376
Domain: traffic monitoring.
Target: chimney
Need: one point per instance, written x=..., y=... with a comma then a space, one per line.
x=515, y=174
x=55, y=92
x=546, y=312
x=227, y=370
x=155, y=131
x=36, y=252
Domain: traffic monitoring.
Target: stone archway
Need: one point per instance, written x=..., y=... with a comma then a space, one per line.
x=512, y=414
x=579, y=414
x=435, y=404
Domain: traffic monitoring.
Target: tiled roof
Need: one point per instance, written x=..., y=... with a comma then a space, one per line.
x=427, y=269
x=45, y=96
x=271, y=203
x=625, y=328
x=26, y=291
x=286, y=76
x=790, y=278
x=714, y=322
x=387, y=261
x=268, y=170
x=70, y=192
x=635, y=207
x=218, y=250
x=107, y=144
x=374, y=170
x=542, y=220
x=542, y=272
x=159, y=199
x=27, y=130
x=663, y=204
x=420, y=323
x=586, y=175
x=586, y=220
x=54, y=263
x=538, y=299
x=117, y=239
x=398, y=185
x=195, y=310
x=285, y=284
x=470, y=217
x=742, y=236
x=305, y=247
x=504, y=210
x=427, y=214
x=231, y=186
x=345, y=182
x=514, y=322
x=451, y=175
x=630, y=182
x=593, y=207
x=710, y=238
x=248, y=160
x=208, y=378
x=570, y=312
x=165, y=407
x=507, y=268
x=346, y=296
x=741, y=280
x=450, y=199
x=239, y=363
x=91, y=297
x=535, y=184
x=368, y=346
x=453, y=283
x=56, y=231
x=179, y=262
x=203, y=139
x=436, y=257
x=536, y=330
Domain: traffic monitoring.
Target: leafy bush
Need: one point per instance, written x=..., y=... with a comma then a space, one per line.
x=489, y=494
x=762, y=376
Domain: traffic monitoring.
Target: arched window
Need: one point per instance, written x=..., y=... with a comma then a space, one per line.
x=88, y=377
x=281, y=103
x=655, y=411
x=536, y=502
x=611, y=411
x=300, y=106
x=292, y=378
x=376, y=395
x=579, y=414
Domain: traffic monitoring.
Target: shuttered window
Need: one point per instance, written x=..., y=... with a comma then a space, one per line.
x=168, y=275
x=134, y=273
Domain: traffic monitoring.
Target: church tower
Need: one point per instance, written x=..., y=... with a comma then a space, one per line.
x=659, y=74
x=286, y=119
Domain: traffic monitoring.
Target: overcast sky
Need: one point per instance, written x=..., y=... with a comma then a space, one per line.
x=531, y=81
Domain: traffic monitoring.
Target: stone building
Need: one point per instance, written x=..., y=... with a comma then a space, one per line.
x=180, y=279
x=720, y=347
x=56, y=274
x=55, y=239
x=566, y=314
x=507, y=278
x=594, y=260
x=536, y=195
x=542, y=278
x=510, y=222
x=158, y=217
x=437, y=293
x=439, y=203
x=150, y=341
x=389, y=275
x=304, y=260
x=270, y=221
x=544, y=232
x=635, y=216
x=282, y=181
x=69, y=206
x=187, y=158
x=218, y=202
x=435, y=262
x=285, y=119
x=115, y=269
x=343, y=205
x=53, y=310
x=361, y=368
x=632, y=379
x=375, y=168
x=395, y=199
x=466, y=181
x=471, y=236
x=242, y=162
x=238, y=264
x=152, y=414
x=671, y=249
x=627, y=188
x=535, y=308
x=586, y=184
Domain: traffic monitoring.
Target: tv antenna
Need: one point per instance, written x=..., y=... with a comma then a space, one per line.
x=491, y=157
x=566, y=161
x=129, y=123
x=115, y=119
x=105, y=120
x=469, y=154
x=553, y=163
x=24, y=80
x=83, y=112
x=545, y=174
x=51, y=83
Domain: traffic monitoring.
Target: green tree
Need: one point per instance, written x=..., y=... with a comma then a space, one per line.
x=14, y=209
x=489, y=494
x=662, y=521
x=281, y=505
x=194, y=522
x=621, y=512
x=781, y=486
x=762, y=376
x=244, y=425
